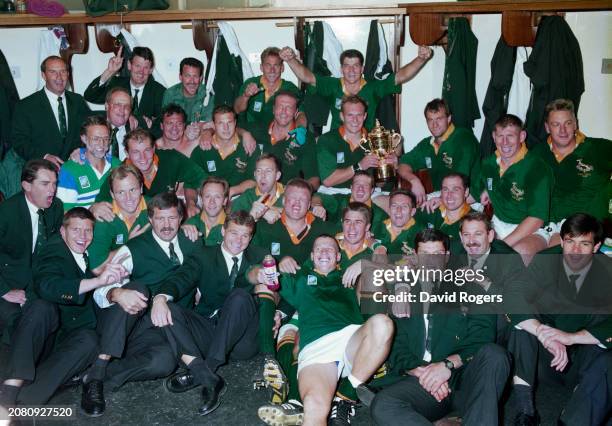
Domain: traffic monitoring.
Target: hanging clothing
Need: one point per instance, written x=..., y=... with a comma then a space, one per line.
x=377, y=67
x=520, y=92
x=496, y=100
x=556, y=71
x=459, y=87
x=315, y=53
x=230, y=63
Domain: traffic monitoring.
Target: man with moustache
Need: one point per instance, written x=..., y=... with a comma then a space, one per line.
x=280, y=137
x=27, y=220
x=209, y=223
x=131, y=348
x=62, y=318
x=225, y=322
x=396, y=233
x=46, y=124
x=162, y=171
x=189, y=94
x=146, y=93
x=581, y=166
x=569, y=326
x=130, y=215
x=441, y=356
x=79, y=182
x=339, y=152
x=228, y=159
x=352, y=82
x=518, y=184
x=449, y=149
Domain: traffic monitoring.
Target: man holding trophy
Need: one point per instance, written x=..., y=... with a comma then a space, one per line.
x=343, y=151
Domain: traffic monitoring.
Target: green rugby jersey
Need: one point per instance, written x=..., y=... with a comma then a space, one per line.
x=235, y=168
x=459, y=153
x=371, y=92
x=582, y=179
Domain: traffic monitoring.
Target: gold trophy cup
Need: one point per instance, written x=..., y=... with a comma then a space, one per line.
x=381, y=142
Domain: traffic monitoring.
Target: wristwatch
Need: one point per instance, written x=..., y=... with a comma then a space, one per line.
x=356, y=168
x=449, y=364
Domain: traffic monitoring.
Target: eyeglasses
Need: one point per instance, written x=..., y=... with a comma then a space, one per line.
x=98, y=139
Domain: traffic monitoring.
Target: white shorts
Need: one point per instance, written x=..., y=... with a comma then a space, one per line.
x=329, y=348
x=554, y=228
x=503, y=229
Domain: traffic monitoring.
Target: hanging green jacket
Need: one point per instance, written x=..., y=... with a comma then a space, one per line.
x=385, y=112
x=315, y=106
x=496, y=100
x=555, y=70
x=459, y=87
x=228, y=75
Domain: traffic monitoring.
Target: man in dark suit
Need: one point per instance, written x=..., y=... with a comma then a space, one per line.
x=569, y=325
x=27, y=220
x=56, y=338
x=225, y=321
x=139, y=350
x=47, y=123
x=445, y=354
x=146, y=93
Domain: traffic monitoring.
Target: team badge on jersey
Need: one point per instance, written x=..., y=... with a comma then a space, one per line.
x=84, y=182
x=240, y=165
x=428, y=162
x=518, y=194
x=584, y=170
x=257, y=106
x=311, y=280
x=211, y=165
x=275, y=249
x=448, y=161
x=339, y=157
x=119, y=239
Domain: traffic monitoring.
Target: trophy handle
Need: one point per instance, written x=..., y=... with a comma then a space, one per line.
x=361, y=142
x=396, y=139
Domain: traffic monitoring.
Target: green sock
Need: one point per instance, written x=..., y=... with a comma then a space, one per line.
x=294, y=388
x=267, y=309
x=346, y=390
x=284, y=356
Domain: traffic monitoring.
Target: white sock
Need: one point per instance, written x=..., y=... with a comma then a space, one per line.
x=354, y=380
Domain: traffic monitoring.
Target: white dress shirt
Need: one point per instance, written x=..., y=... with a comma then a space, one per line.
x=228, y=259
x=34, y=221
x=121, y=132
x=55, y=105
x=101, y=292
x=80, y=260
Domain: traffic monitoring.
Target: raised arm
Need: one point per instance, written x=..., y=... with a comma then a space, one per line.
x=299, y=69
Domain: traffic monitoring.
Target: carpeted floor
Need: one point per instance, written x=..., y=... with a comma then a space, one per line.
x=148, y=403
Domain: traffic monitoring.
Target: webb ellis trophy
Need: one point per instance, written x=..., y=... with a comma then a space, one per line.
x=381, y=142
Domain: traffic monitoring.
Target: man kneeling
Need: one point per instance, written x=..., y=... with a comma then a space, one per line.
x=334, y=341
